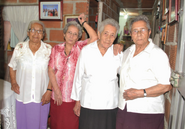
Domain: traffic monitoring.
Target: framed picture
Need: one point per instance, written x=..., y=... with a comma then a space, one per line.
x=68, y=18
x=51, y=10
x=173, y=11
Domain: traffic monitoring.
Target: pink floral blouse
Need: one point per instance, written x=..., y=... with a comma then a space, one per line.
x=64, y=67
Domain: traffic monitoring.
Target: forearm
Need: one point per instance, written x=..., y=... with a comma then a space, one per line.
x=49, y=85
x=92, y=34
x=53, y=81
x=13, y=76
x=157, y=90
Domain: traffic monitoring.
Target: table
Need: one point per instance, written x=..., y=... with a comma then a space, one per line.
x=7, y=105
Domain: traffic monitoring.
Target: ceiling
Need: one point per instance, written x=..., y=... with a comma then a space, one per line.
x=132, y=7
x=137, y=3
x=136, y=7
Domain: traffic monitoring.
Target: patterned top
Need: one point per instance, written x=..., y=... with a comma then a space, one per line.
x=31, y=71
x=64, y=67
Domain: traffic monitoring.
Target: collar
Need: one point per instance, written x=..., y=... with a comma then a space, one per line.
x=148, y=48
x=42, y=46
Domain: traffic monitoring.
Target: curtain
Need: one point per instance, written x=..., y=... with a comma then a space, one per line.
x=7, y=30
x=20, y=17
x=14, y=40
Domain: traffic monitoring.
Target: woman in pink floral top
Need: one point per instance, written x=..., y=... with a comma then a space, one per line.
x=62, y=66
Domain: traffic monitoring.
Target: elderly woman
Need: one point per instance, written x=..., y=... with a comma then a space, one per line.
x=62, y=66
x=95, y=86
x=144, y=78
x=30, y=80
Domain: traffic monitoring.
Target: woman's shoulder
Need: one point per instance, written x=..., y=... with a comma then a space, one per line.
x=90, y=46
x=20, y=45
x=48, y=46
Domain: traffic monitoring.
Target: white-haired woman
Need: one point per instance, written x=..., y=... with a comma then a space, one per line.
x=62, y=66
x=144, y=78
x=30, y=80
x=95, y=86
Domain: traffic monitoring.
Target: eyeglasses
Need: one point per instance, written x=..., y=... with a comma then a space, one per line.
x=70, y=33
x=142, y=31
x=34, y=31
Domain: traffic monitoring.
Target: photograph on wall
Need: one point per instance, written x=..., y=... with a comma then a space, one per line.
x=50, y=10
x=69, y=18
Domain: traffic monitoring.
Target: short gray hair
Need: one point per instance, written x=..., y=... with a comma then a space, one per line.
x=73, y=23
x=140, y=18
x=109, y=21
x=38, y=22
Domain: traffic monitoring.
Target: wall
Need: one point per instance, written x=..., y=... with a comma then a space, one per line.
x=54, y=29
x=93, y=11
x=170, y=48
x=110, y=9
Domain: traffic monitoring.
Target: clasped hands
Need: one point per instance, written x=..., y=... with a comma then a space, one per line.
x=131, y=94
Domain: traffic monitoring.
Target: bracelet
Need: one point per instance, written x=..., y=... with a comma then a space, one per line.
x=83, y=23
x=49, y=89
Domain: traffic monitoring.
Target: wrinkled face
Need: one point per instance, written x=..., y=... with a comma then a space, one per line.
x=140, y=33
x=107, y=36
x=36, y=37
x=71, y=35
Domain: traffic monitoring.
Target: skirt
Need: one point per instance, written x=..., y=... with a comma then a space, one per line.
x=63, y=117
x=32, y=115
x=97, y=119
x=129, y=120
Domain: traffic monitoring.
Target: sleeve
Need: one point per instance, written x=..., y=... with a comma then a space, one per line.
x=161, y=67
x=13, y=61
x=52, y=58
x=81, y=44
x=121, y=59
x=77, y=82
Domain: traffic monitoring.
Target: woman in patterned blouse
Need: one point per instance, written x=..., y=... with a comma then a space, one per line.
x=62, y=66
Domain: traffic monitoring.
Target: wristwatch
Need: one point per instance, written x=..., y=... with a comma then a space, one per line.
x=145, y=94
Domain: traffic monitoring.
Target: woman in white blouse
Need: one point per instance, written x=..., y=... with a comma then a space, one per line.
x=144, y=78
x=29, y=79
x=95, y=86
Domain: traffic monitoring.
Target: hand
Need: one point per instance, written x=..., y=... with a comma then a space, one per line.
x=57, y=97
x=131, y=94
x=117, y=48
x=15, y=88
x=46, y=97
x=81, y=18
x=77, y=108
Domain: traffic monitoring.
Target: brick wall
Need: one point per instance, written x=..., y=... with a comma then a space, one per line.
x=110, y=9
x=54, y=29
x=170, y=48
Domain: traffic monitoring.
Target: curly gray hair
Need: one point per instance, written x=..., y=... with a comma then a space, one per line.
x=140, y=18
x=38, y=22
x=109, y=21
x=73, y=23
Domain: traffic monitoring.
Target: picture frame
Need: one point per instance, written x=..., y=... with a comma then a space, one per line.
x=51, y=10
x=173, y=11
x=68, y=18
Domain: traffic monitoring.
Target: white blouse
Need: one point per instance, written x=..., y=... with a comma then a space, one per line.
x=31, y=71
x=95, y=83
